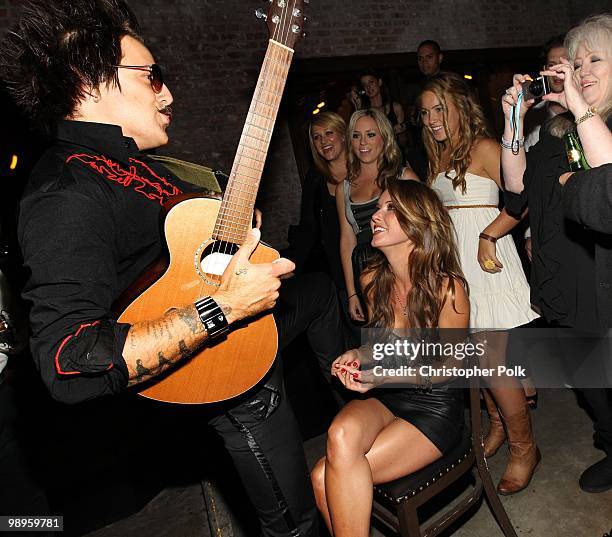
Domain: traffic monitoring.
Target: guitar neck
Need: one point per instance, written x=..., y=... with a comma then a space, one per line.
x=235, y=215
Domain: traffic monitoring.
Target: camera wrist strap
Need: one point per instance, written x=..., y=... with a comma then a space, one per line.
x=515, y=121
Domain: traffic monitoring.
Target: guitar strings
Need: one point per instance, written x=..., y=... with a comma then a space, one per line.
x=272, y=80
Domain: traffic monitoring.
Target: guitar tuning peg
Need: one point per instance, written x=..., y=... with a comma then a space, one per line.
x=307, y=1
x=259, y=13
x=303, y=34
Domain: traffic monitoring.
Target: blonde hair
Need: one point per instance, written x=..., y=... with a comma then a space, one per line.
x=595, y=32
x=390, y=159
x=334, y=122
x=472, y=125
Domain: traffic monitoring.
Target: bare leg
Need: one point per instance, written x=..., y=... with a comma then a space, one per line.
x=365, y=446
x=400, y=450
x=348, y=478
x=317, y=476
x=507, y=391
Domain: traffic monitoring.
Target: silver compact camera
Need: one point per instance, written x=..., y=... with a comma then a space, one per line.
x=536, y=88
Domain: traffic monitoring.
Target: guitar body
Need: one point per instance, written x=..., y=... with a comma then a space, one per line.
x=229, y=366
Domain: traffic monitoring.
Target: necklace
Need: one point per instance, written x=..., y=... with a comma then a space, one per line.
x=404, y=307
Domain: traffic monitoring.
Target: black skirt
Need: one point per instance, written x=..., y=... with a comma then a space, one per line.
x=438, y=413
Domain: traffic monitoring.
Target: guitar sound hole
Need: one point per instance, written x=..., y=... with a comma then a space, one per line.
x=215, y=258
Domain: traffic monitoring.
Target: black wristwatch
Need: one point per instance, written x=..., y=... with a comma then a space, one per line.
x=212, y=317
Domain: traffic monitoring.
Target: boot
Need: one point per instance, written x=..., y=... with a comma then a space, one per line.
x=531, y=394
x=524, y=454
x=496, y=435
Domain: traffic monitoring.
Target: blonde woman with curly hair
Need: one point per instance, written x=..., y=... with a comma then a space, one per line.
x=464, y=169
x=412, y=281
x=374, y=159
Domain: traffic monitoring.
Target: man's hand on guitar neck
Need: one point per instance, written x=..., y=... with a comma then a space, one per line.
x=246, y=290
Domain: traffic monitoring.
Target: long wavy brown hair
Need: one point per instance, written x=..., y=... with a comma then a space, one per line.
x=433, y=262
x=472, y=125
x=334, y=122
x=390, y=159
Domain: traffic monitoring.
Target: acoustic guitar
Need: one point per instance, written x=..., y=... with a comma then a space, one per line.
x=203, y=233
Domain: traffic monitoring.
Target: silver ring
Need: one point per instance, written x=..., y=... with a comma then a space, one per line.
x=241, y=271
x=507, y=92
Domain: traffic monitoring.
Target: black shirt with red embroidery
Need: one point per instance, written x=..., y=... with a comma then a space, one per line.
x=89, y=225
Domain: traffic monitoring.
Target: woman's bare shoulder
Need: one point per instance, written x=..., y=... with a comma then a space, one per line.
x=485, y=145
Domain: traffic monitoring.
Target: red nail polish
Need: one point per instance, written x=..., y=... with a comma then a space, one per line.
x=343, y=370
x=354, y=364
x=355, y=375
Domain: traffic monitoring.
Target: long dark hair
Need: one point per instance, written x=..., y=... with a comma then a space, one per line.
x=472, y=125
x=385, y=94
x=433, y=263
x=62, y=49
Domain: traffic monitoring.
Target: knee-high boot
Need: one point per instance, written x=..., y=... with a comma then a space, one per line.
x=496, y=435
x=524, y=453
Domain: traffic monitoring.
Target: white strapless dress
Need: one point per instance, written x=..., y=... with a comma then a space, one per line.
x=497, y=301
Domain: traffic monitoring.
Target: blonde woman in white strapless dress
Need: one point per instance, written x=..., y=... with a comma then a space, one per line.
x=464, y=169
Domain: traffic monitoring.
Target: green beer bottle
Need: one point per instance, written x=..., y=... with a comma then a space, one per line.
x=575, y=154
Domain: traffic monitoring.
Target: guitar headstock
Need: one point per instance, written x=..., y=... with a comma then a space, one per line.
x=285, y=20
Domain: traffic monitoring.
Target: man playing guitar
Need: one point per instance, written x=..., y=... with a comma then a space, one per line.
x=89, y=225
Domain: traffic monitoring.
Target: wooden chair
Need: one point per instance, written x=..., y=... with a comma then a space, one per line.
x=395, y=504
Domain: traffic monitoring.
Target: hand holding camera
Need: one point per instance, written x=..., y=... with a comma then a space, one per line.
x=571, y=97
x=510, y=98
x=355, y=96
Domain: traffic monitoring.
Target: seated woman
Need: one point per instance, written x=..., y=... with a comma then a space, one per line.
x=413, y=280
x=374, y=159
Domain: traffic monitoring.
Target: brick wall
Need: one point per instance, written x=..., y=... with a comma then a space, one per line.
x=211, y=51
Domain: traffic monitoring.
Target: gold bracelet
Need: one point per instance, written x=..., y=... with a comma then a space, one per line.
x=591, y=111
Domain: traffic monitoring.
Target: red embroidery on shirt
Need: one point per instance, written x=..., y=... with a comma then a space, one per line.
x=138, y=177
x=58, y=367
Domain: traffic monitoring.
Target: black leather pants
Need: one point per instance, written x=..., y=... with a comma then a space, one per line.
x=262, y=437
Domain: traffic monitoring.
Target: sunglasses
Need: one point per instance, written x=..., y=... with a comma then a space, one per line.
x=155, y=74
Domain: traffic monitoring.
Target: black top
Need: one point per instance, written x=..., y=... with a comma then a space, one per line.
x=89, y=224
x=391, y=115
x=587, y=199
x=314, y=244
x=563, y=265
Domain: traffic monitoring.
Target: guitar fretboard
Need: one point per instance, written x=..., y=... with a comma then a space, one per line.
x=234, y=219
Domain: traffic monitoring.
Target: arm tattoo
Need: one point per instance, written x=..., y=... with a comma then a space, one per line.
x=141, y=371
x=188, y=317
x=163, y=361
x=183, y=350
